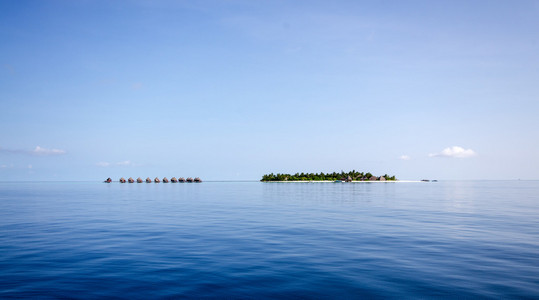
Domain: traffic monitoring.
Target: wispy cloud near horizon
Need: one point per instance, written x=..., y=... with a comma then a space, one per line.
x=38, y=151
x=455, y=152
x=43, y=151
x=125, y=163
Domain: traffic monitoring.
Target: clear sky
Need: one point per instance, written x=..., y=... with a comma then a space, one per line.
x=236, y=89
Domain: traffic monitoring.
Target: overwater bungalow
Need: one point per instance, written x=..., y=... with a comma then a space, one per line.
x=181, y=179
x=189, y=179
x=122, y=180
x=197, y=179
x=156, y=180
x=139, y=180
x=108, y=180
x=173, y=179
x=148, y=180
x=130, y=180
x=165, y=180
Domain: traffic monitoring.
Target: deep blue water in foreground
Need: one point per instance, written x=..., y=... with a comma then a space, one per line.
x=269, y=240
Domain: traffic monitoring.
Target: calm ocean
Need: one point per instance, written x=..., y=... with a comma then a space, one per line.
x=252, y=240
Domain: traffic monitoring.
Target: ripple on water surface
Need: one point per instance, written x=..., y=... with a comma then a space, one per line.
x=269, y=240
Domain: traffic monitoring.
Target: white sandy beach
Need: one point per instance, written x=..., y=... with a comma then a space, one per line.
x=331, y=181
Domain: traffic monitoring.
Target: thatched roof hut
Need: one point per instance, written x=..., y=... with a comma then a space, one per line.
x=130, y=180
x=181, y=179
x=173, y=179
x=349, y=179
x=373, y=178
x=189, y=179
x=382, y=178
x=165, y=180
x=148, y=180
x=108, y=180
x=197, y=179
x=122, y=180
x=156, y=180
x=139, y=180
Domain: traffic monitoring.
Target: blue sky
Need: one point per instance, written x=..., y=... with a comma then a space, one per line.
x=236, y=89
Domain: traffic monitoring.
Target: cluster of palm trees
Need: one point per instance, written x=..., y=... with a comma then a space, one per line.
x=344, y=176
x=157, y=180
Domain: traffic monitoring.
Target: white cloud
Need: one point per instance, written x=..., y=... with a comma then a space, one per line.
x=43, y=151
x=405, y=157
x=455, y=151
x=125, y=163
x=37, y=151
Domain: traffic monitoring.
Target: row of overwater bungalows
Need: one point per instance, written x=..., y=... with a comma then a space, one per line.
x=157, y=180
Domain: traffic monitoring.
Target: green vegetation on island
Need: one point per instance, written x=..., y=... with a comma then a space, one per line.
x=342, y=176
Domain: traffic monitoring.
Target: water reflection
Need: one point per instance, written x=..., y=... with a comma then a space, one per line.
x=269, y=240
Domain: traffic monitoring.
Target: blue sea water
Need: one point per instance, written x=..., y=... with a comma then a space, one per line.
x=252, y=240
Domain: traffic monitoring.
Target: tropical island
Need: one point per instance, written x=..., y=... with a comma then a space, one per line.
x=342, y=176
